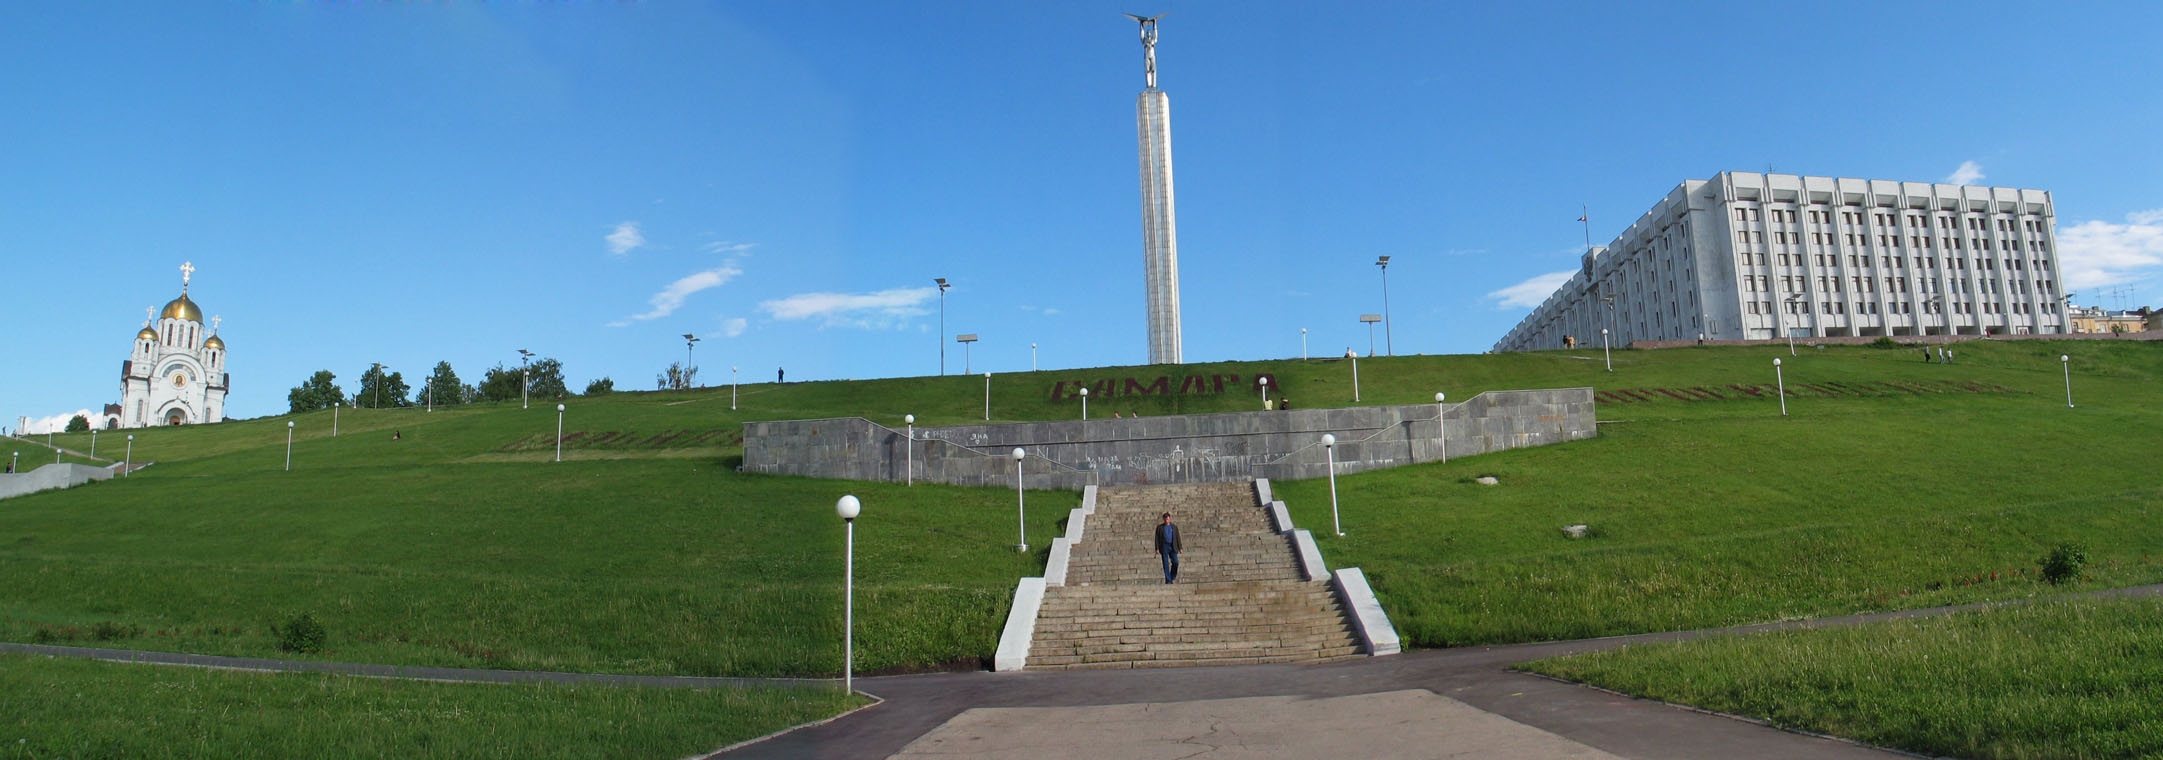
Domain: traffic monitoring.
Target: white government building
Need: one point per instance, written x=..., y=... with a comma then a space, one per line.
x=1749, y=256
x=176, y=373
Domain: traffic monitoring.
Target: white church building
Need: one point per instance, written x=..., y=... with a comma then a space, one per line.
x=176, y=373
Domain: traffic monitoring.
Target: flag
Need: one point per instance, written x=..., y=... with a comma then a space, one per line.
x=1580, y=219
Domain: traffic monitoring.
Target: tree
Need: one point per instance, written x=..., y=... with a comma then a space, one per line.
x=676, y=377
x=319, y=392
x=381, y=390
x=79, y=424
x=598, y=387
x=499, y=383
x=547, y=379
x=442, y=386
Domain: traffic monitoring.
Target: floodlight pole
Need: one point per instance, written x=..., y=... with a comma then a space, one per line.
x=688, y=340
x=379, y=386
x=1386, y=331
x=1329, y=448
x=909, y=469
x=1021, y=504
x=1782, y=378
x=524, y=380
x=942, y=323
x=2066, y=361
x=848, y=507
x=559, y=432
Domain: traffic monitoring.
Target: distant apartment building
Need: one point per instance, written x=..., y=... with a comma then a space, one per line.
x=1763, y=256
x=2096, y=319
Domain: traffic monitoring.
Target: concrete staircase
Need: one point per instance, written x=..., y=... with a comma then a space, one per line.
x=1241, y=596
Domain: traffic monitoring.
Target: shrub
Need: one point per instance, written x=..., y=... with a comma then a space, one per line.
x=302, y=634
x=1885, y=341
x=598, y=387
x=2064, y=563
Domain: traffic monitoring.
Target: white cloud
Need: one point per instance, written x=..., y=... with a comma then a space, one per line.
x=723, y=246
x=672, y=297
x=881, y=309
x=2097, y=253
x=1531, y=293
x=734, y=326
x=1967, y=174
x=57, y=423
x=626, y=237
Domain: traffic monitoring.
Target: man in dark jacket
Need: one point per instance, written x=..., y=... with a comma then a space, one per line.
x=1168, y=548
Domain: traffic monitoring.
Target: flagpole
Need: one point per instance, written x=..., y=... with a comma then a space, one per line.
x=1585, y=215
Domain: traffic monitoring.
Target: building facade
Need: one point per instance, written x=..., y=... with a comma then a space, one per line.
x=2096, y=319
x=1750, y=256
x=1160, y=228
x=175, y=375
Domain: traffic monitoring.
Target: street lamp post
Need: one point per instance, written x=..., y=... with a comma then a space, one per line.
x=1085, y=404
x=128, y=465
x=1302, y=344
x=942, y=323
x=1794, y=299
x=968, y=346
x=732, y=389
x=288, y=445
x=2066, y=361
x=1606, y=353
x=1370, y=319
x=378, y=403
x=1782, y=378
x=1442, y=433
x=848, y=507
x=1329, y=448
x=1387, y=334
x=524, y=380
x=909, y=466
x=1021, y=504
x=1355, y=378
x=12, y=459
x=1264, y=383
x=93, y=442
x=334, y=417
x=1032, y=357
x=559, y=432
x=688, y=340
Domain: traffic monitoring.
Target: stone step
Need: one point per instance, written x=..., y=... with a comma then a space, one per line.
x=1108, y=661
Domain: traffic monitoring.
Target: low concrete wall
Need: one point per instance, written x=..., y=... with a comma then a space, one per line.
x=1911, y=340
x=50, y=476
x=1196, y=448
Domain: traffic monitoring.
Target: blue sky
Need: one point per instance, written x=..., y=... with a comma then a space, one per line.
x=407, y=183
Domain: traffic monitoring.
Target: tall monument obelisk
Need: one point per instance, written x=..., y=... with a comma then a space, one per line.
x=1160, y=233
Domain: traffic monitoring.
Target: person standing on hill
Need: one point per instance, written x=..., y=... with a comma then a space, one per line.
x=1168, y=548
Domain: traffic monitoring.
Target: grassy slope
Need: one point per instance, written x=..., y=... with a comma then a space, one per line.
x=2051, y=679
x=84, y=709
x=444, y=548
x=34, y=453
x=1716, y=513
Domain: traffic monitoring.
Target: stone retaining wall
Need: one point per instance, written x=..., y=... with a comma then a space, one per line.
x=67, y=475
x=1195, y=448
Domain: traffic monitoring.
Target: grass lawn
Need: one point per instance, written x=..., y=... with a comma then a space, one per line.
x=31, y=453
x=85, y=710
x=1715, y=513
x=460, y=544
x=2052, y=679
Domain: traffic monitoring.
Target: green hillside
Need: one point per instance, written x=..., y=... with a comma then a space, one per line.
x=1894, y=483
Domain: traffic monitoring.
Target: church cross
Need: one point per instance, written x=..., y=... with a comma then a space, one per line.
x=147, y=312
x=186, y=268
x=214, y=324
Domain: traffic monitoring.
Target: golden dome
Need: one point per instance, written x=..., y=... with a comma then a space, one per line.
x=214, y=342
x=182, y=308
x=147, y=334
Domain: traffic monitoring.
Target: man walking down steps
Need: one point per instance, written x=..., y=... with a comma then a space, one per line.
x=1168, y=548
